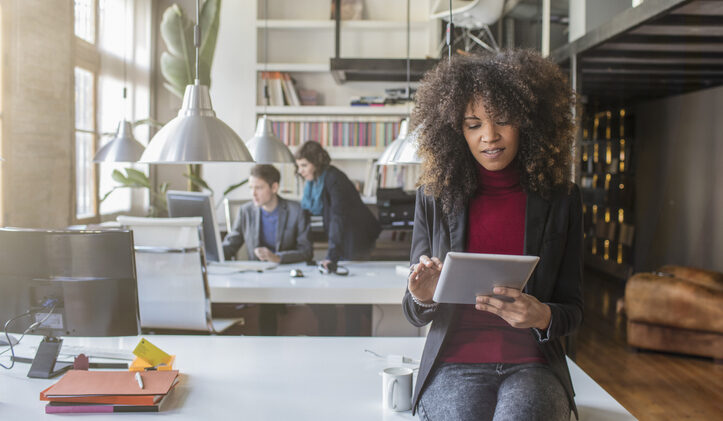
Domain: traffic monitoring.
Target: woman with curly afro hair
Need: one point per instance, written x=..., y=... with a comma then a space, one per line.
x=496, y=146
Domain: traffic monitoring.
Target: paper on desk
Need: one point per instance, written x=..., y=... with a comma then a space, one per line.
x=82, y=382
x=151, y=354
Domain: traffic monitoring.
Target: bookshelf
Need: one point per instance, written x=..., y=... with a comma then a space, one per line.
x=297, y=38
x=607, y=181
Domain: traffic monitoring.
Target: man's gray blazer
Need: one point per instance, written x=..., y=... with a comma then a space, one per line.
x=292, y=232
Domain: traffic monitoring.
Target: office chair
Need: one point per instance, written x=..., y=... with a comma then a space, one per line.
x=230, y=208
x=474, y=18
x=173, y=291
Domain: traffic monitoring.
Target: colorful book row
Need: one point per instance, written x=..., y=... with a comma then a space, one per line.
x=337, y=133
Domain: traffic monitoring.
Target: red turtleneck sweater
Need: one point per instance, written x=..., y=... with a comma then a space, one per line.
x=495, y=224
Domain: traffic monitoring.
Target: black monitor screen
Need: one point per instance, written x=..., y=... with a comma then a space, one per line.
x=79, y=283
x=187, y=204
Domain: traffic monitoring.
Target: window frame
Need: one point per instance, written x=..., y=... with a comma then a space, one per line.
x=87, y=57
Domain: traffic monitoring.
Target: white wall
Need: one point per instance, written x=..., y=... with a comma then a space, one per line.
x=586, y=15
x=679, y=174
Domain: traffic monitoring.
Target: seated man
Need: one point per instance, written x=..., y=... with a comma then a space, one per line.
x=274, y=229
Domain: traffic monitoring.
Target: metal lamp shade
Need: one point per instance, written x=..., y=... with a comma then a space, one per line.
x=266, y=148
x=407, y=153
x=196, y=136
x=389, y=155
x=122, y=148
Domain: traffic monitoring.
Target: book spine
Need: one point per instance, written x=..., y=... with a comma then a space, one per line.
x=97, y=409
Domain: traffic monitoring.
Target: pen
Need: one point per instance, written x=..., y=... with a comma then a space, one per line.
x=139, y=379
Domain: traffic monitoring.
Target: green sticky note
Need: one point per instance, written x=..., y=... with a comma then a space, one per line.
x=150, y=353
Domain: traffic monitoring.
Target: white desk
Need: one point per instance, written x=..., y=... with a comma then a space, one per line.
x=371, y=282
x=271, y=378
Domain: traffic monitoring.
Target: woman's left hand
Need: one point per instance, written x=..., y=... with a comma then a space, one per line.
x=524, y=311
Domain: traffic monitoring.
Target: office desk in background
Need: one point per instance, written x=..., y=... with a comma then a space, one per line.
x=271, y=378
x=371, y=282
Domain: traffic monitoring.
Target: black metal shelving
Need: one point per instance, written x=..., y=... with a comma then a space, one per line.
x=657, y=49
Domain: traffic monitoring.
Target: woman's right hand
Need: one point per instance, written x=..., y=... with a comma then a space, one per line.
x=423, y=280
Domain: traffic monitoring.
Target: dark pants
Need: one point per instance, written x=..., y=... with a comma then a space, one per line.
x=354, y=315
x=525, y=392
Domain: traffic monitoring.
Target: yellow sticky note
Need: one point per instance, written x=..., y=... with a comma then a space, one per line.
x=151, y=353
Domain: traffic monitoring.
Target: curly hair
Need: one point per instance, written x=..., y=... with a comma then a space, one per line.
x=313, y=152
x=518, y=86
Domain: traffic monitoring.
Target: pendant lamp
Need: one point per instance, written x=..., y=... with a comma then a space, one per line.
x=196, y=135
x=265, y=146
x=389, y=155
x=403, y=150
x=407, y=153
x=122, y=148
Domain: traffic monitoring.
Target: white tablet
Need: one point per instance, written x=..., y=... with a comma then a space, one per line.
x=466, y=275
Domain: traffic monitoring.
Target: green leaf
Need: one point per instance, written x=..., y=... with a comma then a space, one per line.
x=234, y=187
x=178, y=65
x=164, y=188
x=198, y=181
x=138, y=178
x=105, y=196
x=209, y=23
x=149, y=121
x=120, y=178
x=174, y=90
x=177, y=33
x=175, y=71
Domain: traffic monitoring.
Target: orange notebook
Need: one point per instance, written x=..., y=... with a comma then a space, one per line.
x=108, y=399
x=111, y=386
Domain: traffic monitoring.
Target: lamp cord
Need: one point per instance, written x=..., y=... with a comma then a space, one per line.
x=197, y=39
x=267, y=99
x=409, y=90
x=125, y=56
x=449, y=34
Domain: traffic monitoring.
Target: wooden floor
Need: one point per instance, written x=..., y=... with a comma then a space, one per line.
x=651, y=385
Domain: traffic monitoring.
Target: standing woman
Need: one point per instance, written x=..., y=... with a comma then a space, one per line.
x=350, y=225
x=497, y=149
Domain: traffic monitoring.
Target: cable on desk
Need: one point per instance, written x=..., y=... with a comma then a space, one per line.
x=393, y=358
x=48, y=303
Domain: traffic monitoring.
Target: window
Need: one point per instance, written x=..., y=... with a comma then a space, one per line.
x=113, y=51
x=85, y=134
x=85, y=20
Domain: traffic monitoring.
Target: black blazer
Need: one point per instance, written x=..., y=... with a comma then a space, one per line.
x=553, y=231
x=292, y=232
x=351, y=227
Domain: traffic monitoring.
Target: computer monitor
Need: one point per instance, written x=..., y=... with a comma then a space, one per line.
x=183, y=204
x=68, y=283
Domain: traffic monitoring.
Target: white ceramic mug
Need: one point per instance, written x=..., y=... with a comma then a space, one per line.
x=397, y=388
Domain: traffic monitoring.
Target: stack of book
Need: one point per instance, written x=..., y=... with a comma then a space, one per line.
x=278, y=89
x=82, y=391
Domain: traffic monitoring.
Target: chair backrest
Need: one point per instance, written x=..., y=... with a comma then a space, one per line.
x=230, y=208
x=173, y=290
x=469, y=13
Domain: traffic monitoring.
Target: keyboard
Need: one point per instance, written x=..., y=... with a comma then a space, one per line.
x=109, y=353
x=240, y=266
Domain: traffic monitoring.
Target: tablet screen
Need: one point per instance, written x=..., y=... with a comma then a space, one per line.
x=466, y=275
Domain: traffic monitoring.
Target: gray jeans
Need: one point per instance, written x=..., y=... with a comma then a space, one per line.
x=493, y=392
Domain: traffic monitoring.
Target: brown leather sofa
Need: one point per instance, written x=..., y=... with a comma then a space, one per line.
x=676, y=309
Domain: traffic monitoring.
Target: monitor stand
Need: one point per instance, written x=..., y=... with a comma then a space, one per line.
x=45, y=365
